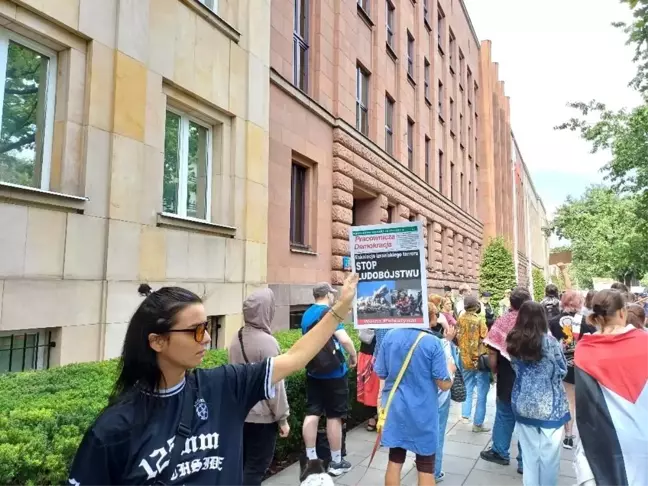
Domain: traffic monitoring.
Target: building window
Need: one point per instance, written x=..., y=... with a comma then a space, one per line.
x=362, y=101
x=390, y=214
x=461, y=189
x=410, y=143
x=426, y=13
x=452, y=181
x=187, y=166
x=300, y=45
x=461, y=121
x=390, y=24
x=462, y=68
x=210, y=4
x=440, y=28
x=27, y=97
x=296, y=314
x=452, y=126
x=440, y=171
x=426, y=86
x=427, y=159
x=410, y=55
x=364, y=5
x=451, y=49
x=298, y=205
x=25, y=351
x=389, y=125
x=440, y=100
x=470, y=197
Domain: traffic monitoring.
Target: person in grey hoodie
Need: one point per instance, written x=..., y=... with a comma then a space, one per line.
x=252, y=343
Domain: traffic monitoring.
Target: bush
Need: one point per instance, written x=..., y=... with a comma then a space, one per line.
x=539, y=284
x=497, y=270
x=44, y=414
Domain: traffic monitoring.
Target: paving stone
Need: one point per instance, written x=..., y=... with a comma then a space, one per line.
x=450, y=479
x=479, y=477
x=567, y=469
x=459, y=435
x=491, y=467
x=359, y=446
x=288, y=477
x=462, y=450
x=360, y=433
x=457, y=465
x=381, y=460
x=361, y=475
x=566, y=481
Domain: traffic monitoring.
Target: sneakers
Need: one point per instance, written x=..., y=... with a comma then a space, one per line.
x=440, y=477
x=339, y=468
x=480, y=428
x=568, y=442
x=519, y=470
x=491, y=456
x=465, y=420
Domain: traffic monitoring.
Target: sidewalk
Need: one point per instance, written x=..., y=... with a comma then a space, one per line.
x=461, y=461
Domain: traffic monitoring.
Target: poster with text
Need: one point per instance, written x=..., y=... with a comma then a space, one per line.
x=392, y=290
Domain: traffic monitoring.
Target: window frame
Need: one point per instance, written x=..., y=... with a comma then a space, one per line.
x=440, y=96
x=452, y=181
x=440, y=174
x=213, y=9
x=390, y=105
x=300, y=40
x=304, y=209
x=426, y=14
x=426, y=79
x=410, y=143
x=7, y=36
x=440, y=29
x=427, y=158
x=183, y=167
x=411, y=53
x=389, y=24
x=452, y=41
x=362, y=105
x=365, y=5
x=43, y=360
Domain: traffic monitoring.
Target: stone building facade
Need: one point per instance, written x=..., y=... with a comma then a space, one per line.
x=373, y=118
x=144, y=159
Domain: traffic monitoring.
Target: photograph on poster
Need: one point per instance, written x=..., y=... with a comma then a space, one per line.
x=390, y=261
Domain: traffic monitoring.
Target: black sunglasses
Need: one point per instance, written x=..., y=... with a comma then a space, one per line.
x=198, y=331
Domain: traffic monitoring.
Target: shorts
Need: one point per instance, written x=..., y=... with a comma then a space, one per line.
x=328, y=397
x=424, y=464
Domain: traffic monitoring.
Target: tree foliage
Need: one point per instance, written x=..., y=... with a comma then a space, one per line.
x=606, y=239
x=539, y=284
x=497, y=271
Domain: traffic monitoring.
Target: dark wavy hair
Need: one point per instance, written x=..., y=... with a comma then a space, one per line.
x=552, y=291
x=588, y=299
x=636, y=316
x=605, y=305
x=138, y=366
x=525, y=339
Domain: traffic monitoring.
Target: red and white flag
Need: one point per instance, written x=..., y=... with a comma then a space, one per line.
x=611, y=374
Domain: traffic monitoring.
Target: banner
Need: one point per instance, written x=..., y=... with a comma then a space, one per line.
x=390, y=261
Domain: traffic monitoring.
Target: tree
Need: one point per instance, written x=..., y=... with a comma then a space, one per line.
x=606, y=239
x=497, y=271
x=539, y=284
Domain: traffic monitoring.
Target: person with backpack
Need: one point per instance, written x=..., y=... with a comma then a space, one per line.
x=252, y=343
x=551, y=302
x=169, y=421
x=327, y=386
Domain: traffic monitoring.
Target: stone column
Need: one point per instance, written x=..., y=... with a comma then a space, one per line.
x=476, y=258
x=342, y=217
x=469, y=258
x=450, y=255
x=459, y=255
x=437, y=265
x=402, y=214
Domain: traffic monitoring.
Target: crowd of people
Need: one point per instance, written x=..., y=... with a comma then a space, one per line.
x=564, y=360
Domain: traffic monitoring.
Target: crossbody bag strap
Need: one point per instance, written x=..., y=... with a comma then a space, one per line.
x=382, y=417
x=247, y=361
x=184, y=429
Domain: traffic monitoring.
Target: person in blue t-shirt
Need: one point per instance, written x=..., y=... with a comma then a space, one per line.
x=327, y=393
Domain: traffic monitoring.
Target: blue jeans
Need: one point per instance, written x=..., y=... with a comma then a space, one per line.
x=481, y=380
x=503, y=431
x=444, y=412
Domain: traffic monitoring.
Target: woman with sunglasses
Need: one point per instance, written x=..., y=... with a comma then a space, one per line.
x=167, y=425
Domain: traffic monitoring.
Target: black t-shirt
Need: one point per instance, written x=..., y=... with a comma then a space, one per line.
x=557, y=329
x=505, y=378
x=124, y=446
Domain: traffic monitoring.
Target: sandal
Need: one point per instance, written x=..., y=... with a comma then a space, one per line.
x=371, y=427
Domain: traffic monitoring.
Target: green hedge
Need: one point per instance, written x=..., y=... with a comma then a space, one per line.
x=44, y=414
x=497, y=269
x=539, y=284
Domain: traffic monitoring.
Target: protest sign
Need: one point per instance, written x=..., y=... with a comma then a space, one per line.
x=392, y=290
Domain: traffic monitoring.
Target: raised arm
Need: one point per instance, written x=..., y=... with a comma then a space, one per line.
x=304, y=350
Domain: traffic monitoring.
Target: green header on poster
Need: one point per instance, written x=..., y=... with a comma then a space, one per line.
x=402, y=229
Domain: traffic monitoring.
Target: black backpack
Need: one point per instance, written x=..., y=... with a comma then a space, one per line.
x=329, y=359
x=552, y=309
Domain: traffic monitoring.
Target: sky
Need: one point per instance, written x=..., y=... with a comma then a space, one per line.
x=550, y=53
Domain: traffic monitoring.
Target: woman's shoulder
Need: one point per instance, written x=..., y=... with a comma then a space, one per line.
x=116, y=422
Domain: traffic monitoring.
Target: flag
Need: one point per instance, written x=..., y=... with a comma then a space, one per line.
x=611, y=374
